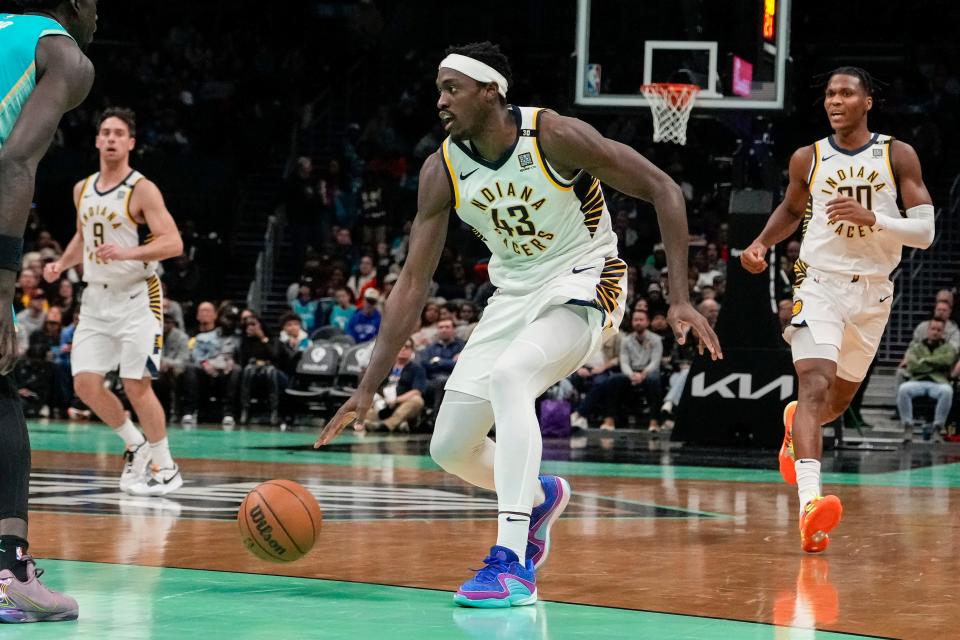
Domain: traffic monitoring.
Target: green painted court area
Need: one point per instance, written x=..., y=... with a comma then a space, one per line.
x=123, y=602
x=277, y=446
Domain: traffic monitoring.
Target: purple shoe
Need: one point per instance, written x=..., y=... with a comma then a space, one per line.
x=31, y=601
x=557, y=490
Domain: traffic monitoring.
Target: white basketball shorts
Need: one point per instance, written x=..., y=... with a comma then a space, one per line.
x=120, y=326
x=848, y=313
x=601, y=288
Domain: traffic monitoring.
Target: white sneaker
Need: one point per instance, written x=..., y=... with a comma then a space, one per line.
x=188, y=419
x=577, y=421
x=228, y=422
x=160, y=482
x=135, y=464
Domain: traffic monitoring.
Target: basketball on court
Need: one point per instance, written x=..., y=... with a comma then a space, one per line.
x=279, y=521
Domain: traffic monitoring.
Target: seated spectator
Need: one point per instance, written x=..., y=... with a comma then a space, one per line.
x=785, y=313
x=681, y=357
x=293, y=342
x=305, y=306
x=27, y=283
x=469, y=317
x=427, y=332
x=951, y=333
x=389, y=282
x=710, y=309
x=173, y=364
x=588, y=380
x=640, y=354
x=66, y=300
x=212, y=368
x=39, y=371
x=173, y=307
x=259, y=357
x=400, y=399
x=365, y=278
x=929, y=363
x=31, y=319
x=364, y=325
x=439, y=359
x=343, y=310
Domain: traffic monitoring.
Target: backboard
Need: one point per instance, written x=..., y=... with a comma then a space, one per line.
x=736, y=51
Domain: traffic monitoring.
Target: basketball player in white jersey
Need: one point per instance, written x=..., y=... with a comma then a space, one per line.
x=853, y=238
x=528, y=182
x=123, y=230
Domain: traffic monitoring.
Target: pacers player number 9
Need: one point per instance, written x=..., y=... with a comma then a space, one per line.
x=864, y=195
x=97, y=234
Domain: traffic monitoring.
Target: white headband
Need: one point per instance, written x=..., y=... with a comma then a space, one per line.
x=473, y=68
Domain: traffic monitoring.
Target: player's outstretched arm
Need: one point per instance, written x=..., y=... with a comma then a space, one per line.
x=166, y=243
x=403, y=307
x=572, y=144
x=785, y=219
x=64, y=77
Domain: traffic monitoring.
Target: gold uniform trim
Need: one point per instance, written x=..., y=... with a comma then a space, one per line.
x=126, y=202
x=608, y=289
x=886, y=156
x=154, y=296
x=543, y=162
x=83, y=192
x=816, y=165
x=445, y=150
x=592, y=206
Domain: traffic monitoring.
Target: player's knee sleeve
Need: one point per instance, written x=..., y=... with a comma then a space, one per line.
x=461, y=428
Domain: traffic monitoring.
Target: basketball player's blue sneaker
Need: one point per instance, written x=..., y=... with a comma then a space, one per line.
x=503, y=582
x=557, y=491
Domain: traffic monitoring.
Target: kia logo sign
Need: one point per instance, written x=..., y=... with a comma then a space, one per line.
x=740, y=385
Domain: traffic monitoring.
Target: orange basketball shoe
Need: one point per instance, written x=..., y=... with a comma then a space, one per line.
x=787, y=457
x=818, y=518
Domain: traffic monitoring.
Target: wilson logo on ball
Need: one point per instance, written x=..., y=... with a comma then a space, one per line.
x=264, y=529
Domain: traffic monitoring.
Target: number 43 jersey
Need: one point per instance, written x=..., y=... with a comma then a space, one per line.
x=105, y=218
x=865, y=174
x=537, y=225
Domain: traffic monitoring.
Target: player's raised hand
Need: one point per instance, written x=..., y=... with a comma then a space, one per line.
x=8, y=338
x=849, y=210
x=754, y=258
x=354, y=410
x=683, y=318
x=52, y=271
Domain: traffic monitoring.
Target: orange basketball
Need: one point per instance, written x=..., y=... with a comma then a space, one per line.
x=279, y=521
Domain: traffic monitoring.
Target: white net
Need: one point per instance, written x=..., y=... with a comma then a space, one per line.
x=671, y=105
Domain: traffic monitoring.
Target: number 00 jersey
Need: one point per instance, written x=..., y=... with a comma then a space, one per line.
x=536, y=224
x=105, y=219
x=867, y=175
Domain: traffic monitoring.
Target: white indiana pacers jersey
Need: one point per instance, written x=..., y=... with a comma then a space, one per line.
x=867, y=175
x=536, y=224
x=105, y=218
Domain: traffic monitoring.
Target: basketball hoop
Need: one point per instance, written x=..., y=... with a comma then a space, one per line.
x=671, y=104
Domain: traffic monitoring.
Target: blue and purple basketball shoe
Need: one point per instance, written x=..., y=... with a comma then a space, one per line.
x=557, y=491
x=503, y=582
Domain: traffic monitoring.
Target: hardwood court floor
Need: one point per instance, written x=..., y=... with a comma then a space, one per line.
x=684, y=544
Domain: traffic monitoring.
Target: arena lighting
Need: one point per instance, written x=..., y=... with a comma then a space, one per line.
x=769, y=20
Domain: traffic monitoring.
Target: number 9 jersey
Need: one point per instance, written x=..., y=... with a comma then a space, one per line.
x=105, y=218
x=537, y=225
x=865, y=174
